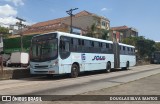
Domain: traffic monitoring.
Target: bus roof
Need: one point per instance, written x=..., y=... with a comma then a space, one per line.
x=85, y=37
x=126, y=45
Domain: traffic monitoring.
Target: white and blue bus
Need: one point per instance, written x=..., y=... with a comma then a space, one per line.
x=59, y=53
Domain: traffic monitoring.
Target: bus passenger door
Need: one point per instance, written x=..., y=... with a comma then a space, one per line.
x=83, y=58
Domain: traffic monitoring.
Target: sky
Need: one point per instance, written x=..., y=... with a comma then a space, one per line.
x=144, y=15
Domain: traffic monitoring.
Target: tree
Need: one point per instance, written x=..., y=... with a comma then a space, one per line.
x=157, y=46
x=97, y=33
x=92, y=30
x=105, y=34
x=4, y=32
x=144, y=46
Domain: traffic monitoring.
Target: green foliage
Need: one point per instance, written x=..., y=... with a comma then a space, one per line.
x=92, y=30
x=105, y=34
x=97, y=33
x=144, y=46
x=157, y=46
x=4, y=31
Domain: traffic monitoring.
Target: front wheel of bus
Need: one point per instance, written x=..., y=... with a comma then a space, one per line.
x=108, y=67
x=127, y=65
x=74, y=71
x=49, y=76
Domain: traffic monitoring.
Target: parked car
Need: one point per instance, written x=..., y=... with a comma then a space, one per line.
x=18, y=59
x=8, y=63
x=6, y=57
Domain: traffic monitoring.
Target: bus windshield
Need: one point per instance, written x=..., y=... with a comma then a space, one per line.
x=44, y=50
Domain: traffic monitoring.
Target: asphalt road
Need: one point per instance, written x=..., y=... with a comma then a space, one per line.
x=62, y=85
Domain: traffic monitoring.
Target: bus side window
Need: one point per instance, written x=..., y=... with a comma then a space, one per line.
x=64, y=46
x=131, y=51
x=107, y=45
x=82, y=46
x=79, y=42
x=120, y=49
x=72, y=41
x=96, y=47
x=67, y=46
x=75, y=43
x=82, y=42
x=124, y=50
x=100, y=44
x=79, y=46
x=104, y=49
x=87, y=46
x=110, y=48
x=128, y=51
x=92, y=43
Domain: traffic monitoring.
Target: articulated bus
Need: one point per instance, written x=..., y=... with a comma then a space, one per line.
x=60, y=53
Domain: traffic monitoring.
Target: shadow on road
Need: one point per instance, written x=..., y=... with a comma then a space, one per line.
x=67, y=76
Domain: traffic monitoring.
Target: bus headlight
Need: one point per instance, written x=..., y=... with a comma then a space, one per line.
x=55, y=63
x=30, y=66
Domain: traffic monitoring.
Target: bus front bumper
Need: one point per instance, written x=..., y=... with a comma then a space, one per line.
x=53, y=70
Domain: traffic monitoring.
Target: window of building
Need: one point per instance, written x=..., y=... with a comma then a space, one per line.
x=103, y=23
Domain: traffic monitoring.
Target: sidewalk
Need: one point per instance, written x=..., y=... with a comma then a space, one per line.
x=145, y=86
x=14, y=73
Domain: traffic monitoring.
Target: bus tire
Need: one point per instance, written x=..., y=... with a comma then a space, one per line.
x=49, y=76
x=108, y=67
x=74, y=71
x=127, y=65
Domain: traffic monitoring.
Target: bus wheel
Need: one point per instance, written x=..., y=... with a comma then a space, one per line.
x=127, y=65
x=74, y=71
x=108, y=67
x=49, y=76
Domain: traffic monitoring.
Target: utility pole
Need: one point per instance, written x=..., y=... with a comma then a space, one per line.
x=71, y=15
x=20, y=26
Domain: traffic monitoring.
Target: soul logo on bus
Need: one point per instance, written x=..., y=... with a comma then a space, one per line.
x=99, y=58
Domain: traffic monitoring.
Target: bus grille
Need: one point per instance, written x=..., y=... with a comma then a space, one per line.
x=45, y=66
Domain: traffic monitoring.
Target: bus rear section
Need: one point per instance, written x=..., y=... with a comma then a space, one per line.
x=127, y=56
x=44, y=54
x=155, y=58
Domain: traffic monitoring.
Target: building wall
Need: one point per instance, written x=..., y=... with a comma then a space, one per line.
x=115, y=36
x=87, y=21
x=128, y=33
x=83, y=21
